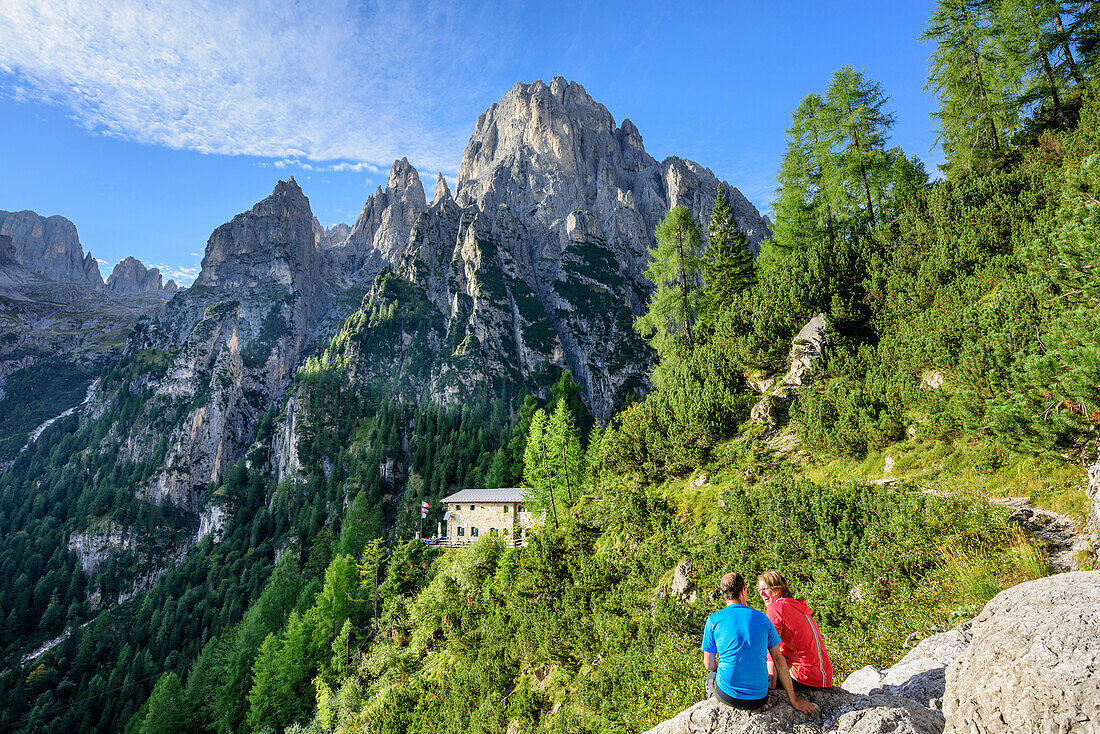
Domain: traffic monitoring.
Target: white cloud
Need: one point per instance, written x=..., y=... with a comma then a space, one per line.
x=309, y=81
x=184, y=275
x=340, y=167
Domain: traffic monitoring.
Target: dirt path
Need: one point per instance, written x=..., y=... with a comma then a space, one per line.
x=1058, y=534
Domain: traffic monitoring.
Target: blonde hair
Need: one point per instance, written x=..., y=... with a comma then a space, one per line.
x=775, y=581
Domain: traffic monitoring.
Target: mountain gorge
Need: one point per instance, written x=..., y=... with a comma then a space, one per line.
x=534, y=267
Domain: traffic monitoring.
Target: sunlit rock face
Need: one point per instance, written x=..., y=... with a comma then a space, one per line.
x=50, y=247
x=535, y=264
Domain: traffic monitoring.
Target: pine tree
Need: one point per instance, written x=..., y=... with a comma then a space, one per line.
x=728, y=266
x=675, y=270
x=536, y=468
x=563, y=446
x=860, y=126
x=968, y=74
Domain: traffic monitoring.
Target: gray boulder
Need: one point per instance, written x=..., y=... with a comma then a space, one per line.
x=806, y=349
x=920, y=675
x=840, y=712
x=1033, y=664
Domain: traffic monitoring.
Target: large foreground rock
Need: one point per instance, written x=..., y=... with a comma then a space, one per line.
x=841, y=713
x=1033, y=664
x=920, y=675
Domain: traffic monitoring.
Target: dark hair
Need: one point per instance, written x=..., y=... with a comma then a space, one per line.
x=732, y=585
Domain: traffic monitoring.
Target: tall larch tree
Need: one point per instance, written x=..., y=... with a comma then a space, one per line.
x=860, y=127
x=675, y=269
x=803, y=209
x=967, y=72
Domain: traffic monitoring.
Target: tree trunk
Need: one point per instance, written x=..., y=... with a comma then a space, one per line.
x=1065, y=49
x=1047, y=70
x=549, y=484
x=565, y=468
x=684, y=288
x=862, y=168
x=982, y=95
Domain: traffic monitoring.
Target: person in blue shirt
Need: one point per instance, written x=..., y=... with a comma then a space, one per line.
x=736, y=642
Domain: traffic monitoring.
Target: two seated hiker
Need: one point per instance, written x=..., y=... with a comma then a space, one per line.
x=738, y=641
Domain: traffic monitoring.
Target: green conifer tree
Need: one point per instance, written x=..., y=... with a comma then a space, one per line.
x=728, y=266
x=166, y=711
x=536, y=468
x=675, y=269
x=860, y=129
x=968, y=73
x=563, y=449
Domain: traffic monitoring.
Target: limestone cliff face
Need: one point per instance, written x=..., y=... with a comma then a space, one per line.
x=50, y=247
x=7, y=251
x=536, y=262
x=239, y=331
x=131, y=276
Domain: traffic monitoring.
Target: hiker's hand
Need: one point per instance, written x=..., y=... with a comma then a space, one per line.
x=804, y=706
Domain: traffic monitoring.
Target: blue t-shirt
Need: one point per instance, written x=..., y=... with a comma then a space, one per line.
x=740, y=636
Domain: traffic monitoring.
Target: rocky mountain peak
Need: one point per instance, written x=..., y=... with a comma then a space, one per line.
x=273, y=242
x=131, y=276
x=383, y=227
x=50, y=247
x=442, y=190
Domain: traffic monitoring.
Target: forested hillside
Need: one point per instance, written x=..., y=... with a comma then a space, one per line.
x=959, y=363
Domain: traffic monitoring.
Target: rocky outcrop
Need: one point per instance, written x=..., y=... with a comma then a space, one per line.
x=919, y=676
x=1030, y=662
x=7, y=251
x=806, y=349
x=50, y=247
x=243, y=326
x=93, y=547
x=839, y=712
x=131, y=276
x=382, y=230
x=1033, y=664
x=326, y=238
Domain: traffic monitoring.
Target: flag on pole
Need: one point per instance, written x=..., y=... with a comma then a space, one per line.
x=423, y=510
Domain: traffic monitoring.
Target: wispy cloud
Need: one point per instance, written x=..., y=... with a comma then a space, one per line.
x=340, y=167
x=357, y=85
x=184, y=275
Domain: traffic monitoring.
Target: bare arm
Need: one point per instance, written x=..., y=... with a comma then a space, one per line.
x=784, y=675
x=710, y=662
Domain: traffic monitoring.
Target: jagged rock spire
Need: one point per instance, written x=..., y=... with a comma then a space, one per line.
x=442, y=191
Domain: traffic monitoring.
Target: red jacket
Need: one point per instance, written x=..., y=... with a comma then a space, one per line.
x=801, y=642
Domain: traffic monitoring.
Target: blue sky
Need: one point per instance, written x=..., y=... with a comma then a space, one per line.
x=150, y=123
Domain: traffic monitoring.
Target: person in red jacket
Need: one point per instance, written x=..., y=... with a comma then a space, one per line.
x=800, y=639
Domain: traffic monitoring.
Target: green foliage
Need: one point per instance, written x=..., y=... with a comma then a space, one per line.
x=36, y=394
x=675, y=268
x=968, y=73
x=728, y=267
x=167, y=711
